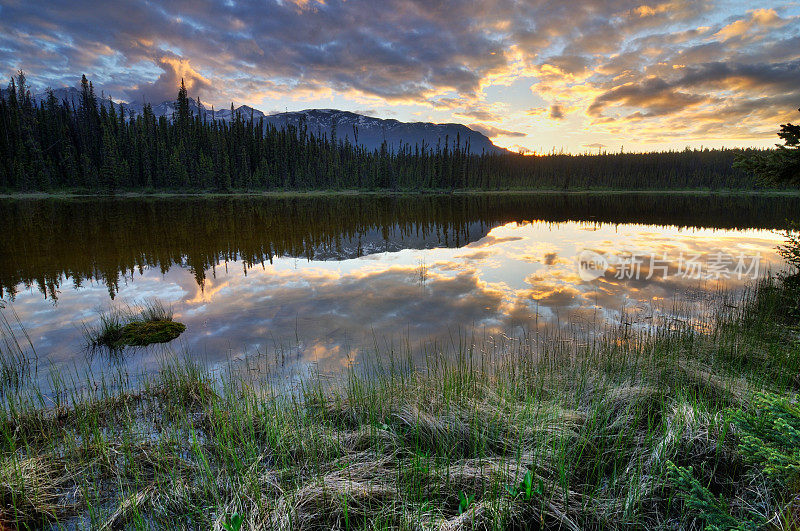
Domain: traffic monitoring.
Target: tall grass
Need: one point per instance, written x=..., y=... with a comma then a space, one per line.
x=548, y=430
x=17, y=354
x=154, y=310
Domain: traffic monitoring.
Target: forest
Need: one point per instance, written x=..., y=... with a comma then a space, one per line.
x=92, y=146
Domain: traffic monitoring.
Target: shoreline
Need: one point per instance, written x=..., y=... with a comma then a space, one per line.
x=288, y=194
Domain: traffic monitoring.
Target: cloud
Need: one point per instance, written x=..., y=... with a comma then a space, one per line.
x=649, y=11
x=396, y=53
x=550, y=258
x=556, y=111
x=479, y=114
x=522, y=150
x=757, y=21
x=492, y=131
x=164, y=88
x=628, y=68
x=653, y=96
x=782, y=76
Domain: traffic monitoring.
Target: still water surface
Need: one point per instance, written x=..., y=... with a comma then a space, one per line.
x=323, y=280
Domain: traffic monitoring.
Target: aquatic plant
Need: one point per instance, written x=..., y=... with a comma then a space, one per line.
x=422, y=272
x=123, y=326
x=153, y=310
x=16, y=360
x=142, y=333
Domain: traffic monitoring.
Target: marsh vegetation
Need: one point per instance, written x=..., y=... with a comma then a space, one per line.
x=675, y=427
x=124, y=326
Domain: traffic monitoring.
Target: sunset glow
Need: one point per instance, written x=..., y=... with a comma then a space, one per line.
x=532, y=76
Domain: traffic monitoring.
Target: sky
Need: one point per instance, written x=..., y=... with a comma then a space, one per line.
x=534, y=76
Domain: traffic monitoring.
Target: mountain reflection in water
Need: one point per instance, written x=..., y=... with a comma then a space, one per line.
x=320, y=280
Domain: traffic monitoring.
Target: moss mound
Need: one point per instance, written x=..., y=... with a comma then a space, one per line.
x=142, y=333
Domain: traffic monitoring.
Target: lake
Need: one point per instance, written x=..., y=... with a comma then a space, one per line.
x=322, y=282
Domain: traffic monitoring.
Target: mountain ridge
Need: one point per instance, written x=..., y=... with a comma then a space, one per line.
x=360, y=129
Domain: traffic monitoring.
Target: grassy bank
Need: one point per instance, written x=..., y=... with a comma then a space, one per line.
x=679, y=427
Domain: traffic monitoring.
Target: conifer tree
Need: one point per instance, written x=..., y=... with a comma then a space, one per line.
x=97, y=145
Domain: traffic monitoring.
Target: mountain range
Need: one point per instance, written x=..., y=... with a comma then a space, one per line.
x=359, y=129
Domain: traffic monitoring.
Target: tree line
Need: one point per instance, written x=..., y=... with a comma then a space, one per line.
x=91, y=145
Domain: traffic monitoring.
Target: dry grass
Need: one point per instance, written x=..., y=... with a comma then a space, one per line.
x=33, y=490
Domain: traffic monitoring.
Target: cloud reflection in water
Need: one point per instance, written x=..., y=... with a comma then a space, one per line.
x=331, y=313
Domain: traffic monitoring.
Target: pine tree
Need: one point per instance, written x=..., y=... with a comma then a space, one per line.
x=96, y=147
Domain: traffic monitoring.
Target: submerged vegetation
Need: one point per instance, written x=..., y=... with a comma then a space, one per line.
x=653, y=428
x=91, y=145
x=125, y=327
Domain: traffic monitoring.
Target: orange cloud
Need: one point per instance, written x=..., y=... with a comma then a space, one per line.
x=759, y=19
